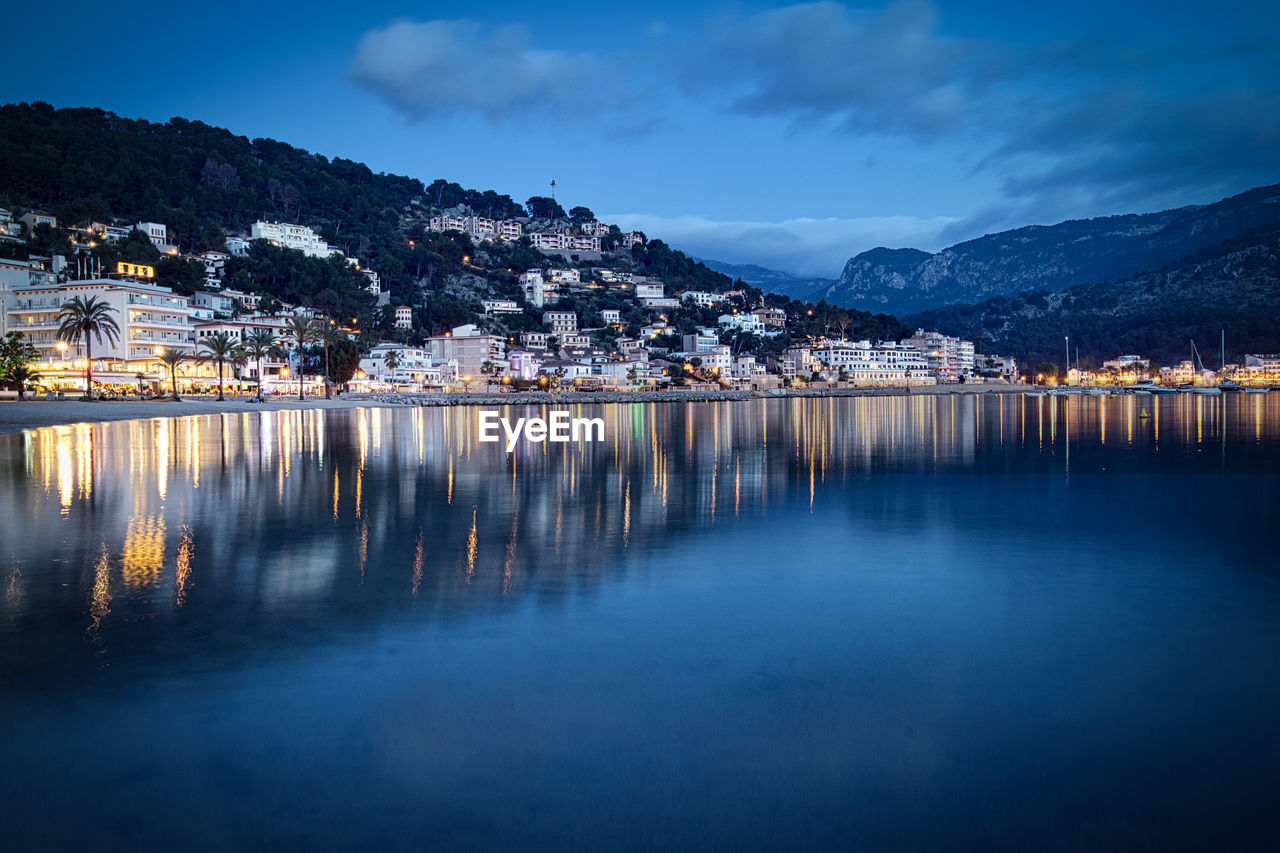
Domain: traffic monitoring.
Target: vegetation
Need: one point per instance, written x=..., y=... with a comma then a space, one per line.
x=1228, y=287
x=17, y=357
x=220, y=348
x=258, y=345
x=171, y=358
x=87, y=317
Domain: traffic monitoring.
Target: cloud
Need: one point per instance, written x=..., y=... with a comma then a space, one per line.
x=1063, y=129
x=803, y=246
x=883, y=71
x=441, y=68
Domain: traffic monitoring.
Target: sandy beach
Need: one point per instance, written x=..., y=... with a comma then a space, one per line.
x=31, y=414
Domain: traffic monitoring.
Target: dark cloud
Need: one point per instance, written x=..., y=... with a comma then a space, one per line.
x=885, y=71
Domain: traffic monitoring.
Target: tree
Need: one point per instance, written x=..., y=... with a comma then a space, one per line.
x=17, y=356
x=171, y=358
x=581, y=215
x=488, y=369
x=87, y=317
x=344, y=359
x=301, y=331
x=22, y=376
x=542, y=207
x=392, y=361
x=219, y=348
x=142, y=379
x=328, y=335
x=260, y=344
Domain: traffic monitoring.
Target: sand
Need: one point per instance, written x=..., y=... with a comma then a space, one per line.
x=30, y=414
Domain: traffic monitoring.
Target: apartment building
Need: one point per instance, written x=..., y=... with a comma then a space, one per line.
x=561, y=322
x=151, y=319
x=468, y=347
x=291, y=236
x=949, y=359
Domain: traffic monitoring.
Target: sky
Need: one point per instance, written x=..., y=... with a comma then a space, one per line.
x=788, y=135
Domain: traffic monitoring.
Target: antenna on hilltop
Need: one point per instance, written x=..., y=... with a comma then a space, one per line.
x=553, y=189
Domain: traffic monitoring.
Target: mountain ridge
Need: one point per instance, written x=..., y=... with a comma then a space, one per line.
x=1045, y=257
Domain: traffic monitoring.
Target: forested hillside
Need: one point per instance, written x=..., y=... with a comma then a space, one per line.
x=1233, y=286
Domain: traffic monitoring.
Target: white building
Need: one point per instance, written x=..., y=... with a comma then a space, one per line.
x=209, y=306
x=158, y=234
x=500, y=306
x=469, y=348
x=704, y=340
x=949, y=359
x=550, y=242
x=864, y=363
x=744, y=322
x=534, y=340
x=415, y=366
x=611, y=316
x=151, y=319
x=404, y=317
x=214, y=265
x=564, y=276
x=701, y=298
x=649, y=290
x=291, y=236
x=561, y=322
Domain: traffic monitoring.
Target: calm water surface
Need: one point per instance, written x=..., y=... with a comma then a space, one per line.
x=905, y=623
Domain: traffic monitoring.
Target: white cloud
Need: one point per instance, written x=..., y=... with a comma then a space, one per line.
x=803, y=246
x=433, y=68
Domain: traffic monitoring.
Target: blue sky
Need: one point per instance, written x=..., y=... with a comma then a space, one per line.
x=793, y=136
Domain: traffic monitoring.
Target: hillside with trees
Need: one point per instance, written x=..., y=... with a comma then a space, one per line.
x=1233, y=286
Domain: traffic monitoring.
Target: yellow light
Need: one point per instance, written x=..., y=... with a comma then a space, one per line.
x=284, y=371
x=61, y=345
x=159, y=350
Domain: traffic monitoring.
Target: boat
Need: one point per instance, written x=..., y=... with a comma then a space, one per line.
x=1256, y=390
x=1162, y=390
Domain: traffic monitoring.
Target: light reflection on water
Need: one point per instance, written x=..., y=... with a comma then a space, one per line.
x=143, y=554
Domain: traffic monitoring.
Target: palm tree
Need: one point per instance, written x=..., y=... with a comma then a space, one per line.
x=238, y=360
x=219, y=348
x=488, y=369
x=328, y=334
x=302, y=331
x=87, y=317
x=260, y=344
x=392, y=361
x=22, y=375
x=171, y=358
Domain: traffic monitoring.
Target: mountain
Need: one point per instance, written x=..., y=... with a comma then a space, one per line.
x=1232, y=286
x=1040, y=257
x=772, y=281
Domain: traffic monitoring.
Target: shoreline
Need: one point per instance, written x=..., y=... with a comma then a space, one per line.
x=18, y=416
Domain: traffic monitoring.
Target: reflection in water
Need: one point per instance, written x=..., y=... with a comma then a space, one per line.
x=781, y=623
x=567, y=506
x=183, y=567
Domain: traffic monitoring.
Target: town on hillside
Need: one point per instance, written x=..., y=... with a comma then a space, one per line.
x=580, y=312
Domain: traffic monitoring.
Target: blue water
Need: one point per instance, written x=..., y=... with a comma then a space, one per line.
x=886, y=623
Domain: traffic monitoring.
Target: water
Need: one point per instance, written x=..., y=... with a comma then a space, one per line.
x=907, y=623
